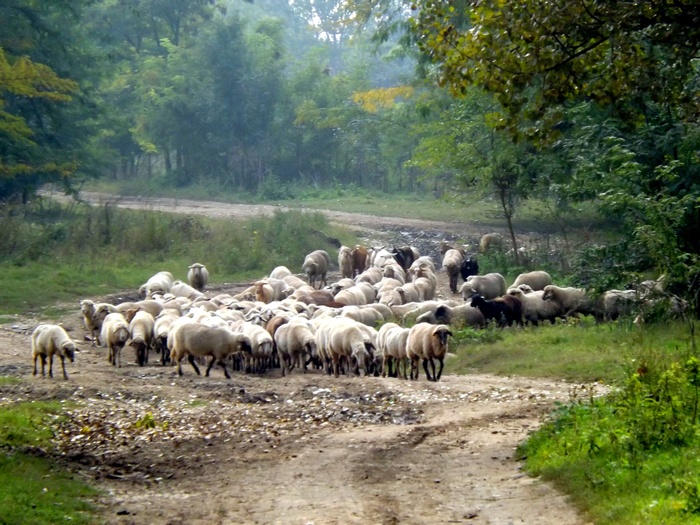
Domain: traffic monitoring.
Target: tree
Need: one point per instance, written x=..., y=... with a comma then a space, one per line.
x=47, y=76
x=535, y=55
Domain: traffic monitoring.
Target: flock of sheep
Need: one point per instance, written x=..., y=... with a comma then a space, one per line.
x=287, y=322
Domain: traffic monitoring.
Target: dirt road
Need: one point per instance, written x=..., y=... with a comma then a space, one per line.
x=300, y=449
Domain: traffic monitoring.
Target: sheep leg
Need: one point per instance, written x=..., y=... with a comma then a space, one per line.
x=441, y=361
x=425, y=367
x=35, y=358
x=414, y=369
x=335, y=365
x=190, y=358
x=63, y=366
x=211, y=363
x=223, y=365
x=51, y=366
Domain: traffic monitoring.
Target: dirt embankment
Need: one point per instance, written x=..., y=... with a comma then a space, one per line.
x=300, y=449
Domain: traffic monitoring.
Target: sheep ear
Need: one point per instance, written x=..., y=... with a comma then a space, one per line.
x=450, y=333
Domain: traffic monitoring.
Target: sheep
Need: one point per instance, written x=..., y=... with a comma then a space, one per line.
x=535, y=308
x=444, y=247
x=352, y=296
x=445, y=314
x=338, y=338
x=161, y=327
x=410, y=293
x=504, y=310
x=427, y=342
x=451, y=262
x=316, y=265
x=93, y=323
x=489, y=286
x=381, y=256
x=430, y=288
x=194, y=340
x=292, y=341
x=490, y=242
x=197, y=276
x=359, y=259
x=180, y=289
x=161, y=283
x=366, y=316
x=371, y=276
x=280, y=272
x=569, y=300
x=342, y=284
x=394, y=271
x=261, y=345
x=345, y=262
x=405, y=255
x=469, y=267
x=141, y=329
x=421, y=262
x=615, y=303
x=536, y=280
x=280, y=289
x=294, y=282
x=50, y=339
x=391, y=340
x=115, y=334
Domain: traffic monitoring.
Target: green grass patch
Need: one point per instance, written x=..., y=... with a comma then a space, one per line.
x=632, y=456
x=34, y=490
x=584, y=352
x=28, y=424
x=63, y=254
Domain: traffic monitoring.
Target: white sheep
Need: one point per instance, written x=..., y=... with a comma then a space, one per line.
x=427, y=342
x=196, y=340
x=392, y=340
x=161, y=327
x=197, y=276
x=341, y=338
x=115, y=334
x=261, y=345
x=92, y=321
x=316, y=265
x=535, y=308
x=293, y=340
x=365, y=316
x=451, y=263
x=352, y=296
x=569, y=300
x=49, y=340
x=141, y=329
x=371, y=275
x=464, y=314
x=429, y=288
x=280, y=272
x=489, y=286
x=180, y=289
x=345, y=262
x=536, y=280
x=159, y=283
x=490, y=242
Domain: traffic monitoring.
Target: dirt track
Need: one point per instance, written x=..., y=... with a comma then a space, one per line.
x=301, y=449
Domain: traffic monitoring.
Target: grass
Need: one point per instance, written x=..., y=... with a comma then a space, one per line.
x=582, y=353
x=35, y=490
x=63, y=255
x=630, y=457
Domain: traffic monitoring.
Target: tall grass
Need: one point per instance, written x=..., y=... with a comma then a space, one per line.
x=64, y=253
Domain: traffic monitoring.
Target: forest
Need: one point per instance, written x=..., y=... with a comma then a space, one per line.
x=584, y=102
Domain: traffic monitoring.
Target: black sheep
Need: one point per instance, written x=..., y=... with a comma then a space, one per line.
x=504, y=310
x=469, y=267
